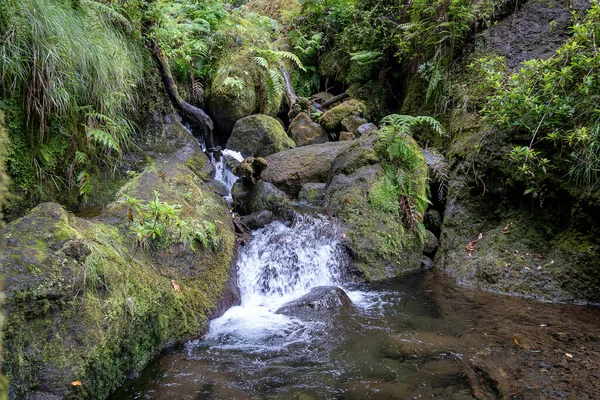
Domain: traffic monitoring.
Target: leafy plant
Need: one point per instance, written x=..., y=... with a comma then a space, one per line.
x=550, y=108
x=405, y=169
x=157, y=224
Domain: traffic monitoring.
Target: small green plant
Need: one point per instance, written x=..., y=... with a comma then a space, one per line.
x=156, y=224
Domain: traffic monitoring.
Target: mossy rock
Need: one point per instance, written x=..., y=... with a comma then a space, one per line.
x=84, y=304
x=374, y=97
x=332, y=119
x=380, y=245
x=259, y=136
x=313, y=193
x=231, y=103
x=304, y=131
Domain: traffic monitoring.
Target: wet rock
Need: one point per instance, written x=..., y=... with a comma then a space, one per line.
x=431, y=244
x=351, y=124
x=258, y=136
x=320, y=298
x=313, y=193
x=426, y=263
x=346, y=136
x=433, y=221
x=231, y=162
x=332, y=119
x=359, y=154
x=304, y=131
x=290, y=169
x=367, y=130
x=219, y=188
x=257, y=219
x=249, y=198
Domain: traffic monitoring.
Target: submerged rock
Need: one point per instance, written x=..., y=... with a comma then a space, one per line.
x=320, y=298
x=258, y=136
x=304, y=131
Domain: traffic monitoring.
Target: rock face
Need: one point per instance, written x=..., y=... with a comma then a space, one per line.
x=249, y=198
x=290, y=169
x=352, y=122
x=257, y=219
x=332, y=119
x=304, y=131
x=319, y=299
x=84, y=304
x=495, y=238
x=258, y=136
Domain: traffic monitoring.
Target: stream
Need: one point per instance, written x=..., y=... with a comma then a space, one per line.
x=418, y=336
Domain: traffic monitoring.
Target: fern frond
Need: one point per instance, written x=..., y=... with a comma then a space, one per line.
x=103, y=138
x=366, y=57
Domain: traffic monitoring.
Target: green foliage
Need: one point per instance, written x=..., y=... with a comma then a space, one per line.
x=156, y=224
x=75, y=75
x=551, y=108
x=405, y=169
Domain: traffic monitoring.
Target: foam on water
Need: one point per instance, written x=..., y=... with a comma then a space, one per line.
x=281, y=263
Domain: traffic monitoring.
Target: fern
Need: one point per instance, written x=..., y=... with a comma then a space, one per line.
x=103, y=138
x=274, y=85
x=366, y=57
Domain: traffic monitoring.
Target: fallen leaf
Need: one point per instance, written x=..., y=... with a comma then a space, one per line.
x=569, y=355
x=175, y=285
x=343, y=235
x=76, y=383
x=480, y=236
x=516, y=341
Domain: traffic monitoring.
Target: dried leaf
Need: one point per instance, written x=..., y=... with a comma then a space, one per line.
x=175, y=285
x=516, y=341
x=480, y=236
x=76, y=383
x=344, y=235
x=569, y=355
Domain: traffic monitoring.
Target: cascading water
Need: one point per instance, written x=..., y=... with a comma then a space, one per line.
x=223, y=173
x=281, y=263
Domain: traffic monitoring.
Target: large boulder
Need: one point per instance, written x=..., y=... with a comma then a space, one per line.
x=83, y=303
x=231, y=102
x=259, y=136
x=290, y=169
x=304, y=131
x=380, y=244
x=332, y=119
x=249, y=197
x=320, y=298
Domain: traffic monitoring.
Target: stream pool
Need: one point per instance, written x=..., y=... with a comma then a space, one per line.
x=418, y=336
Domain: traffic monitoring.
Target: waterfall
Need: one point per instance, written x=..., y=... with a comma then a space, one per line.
x=222, y=172
x=280, y=263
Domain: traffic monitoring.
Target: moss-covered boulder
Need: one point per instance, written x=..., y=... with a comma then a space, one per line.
x=250, y=197
x=304, y=131
x=259, y=136
x=290, y=169
x=332, y=119
x=84, y=304
x=380, y=245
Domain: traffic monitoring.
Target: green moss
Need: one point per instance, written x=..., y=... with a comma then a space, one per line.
x=384, y=195
x=332, y=119
x=96, y=315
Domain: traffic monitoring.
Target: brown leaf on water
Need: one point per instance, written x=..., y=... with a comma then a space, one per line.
x=175, y=285
x=76, y=383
